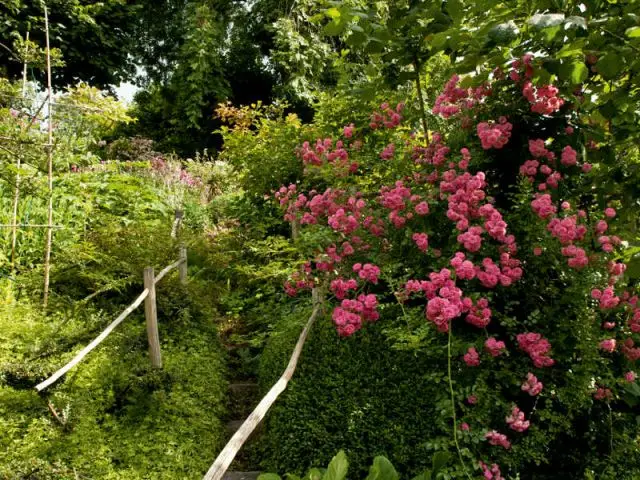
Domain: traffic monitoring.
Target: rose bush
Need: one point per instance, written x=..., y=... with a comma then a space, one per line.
x=489, y=232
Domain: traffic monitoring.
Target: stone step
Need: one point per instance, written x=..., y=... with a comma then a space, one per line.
x=240, y=476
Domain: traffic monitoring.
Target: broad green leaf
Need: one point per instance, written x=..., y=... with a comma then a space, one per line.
x=439, y=460
x=268, y=476
x=333, y=28
x=338, y=466
x=332, y=12
x=609, y=65
x=575, y=72
x=632, y=32
x=382, y=469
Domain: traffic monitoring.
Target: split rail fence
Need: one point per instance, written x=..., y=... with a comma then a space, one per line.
x=148, y=295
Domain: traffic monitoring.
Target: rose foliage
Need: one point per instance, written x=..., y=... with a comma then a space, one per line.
x=490, y=235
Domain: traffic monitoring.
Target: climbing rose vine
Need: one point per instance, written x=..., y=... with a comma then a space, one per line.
x=487, y=230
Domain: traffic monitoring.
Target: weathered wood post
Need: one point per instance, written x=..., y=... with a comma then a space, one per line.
x=182, y=268
x=151, y=316
x=177, y=221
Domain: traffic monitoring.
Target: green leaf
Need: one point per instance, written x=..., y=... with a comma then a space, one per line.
x=456, y=10
x=382, y=469
x=609, y=65
x=575, y=72
x=332, y=13
x=334, y=28
x=338, y=466
x=632, y=32
x=439, y=460
x=426, y=475
x=313, y=474
x=268, y=476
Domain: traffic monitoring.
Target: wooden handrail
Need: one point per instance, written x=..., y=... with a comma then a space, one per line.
x=167, y=269
x=228, y=453
x=150, y=308
x=105, y=333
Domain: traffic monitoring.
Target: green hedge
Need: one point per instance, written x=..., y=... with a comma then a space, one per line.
x=355, y=394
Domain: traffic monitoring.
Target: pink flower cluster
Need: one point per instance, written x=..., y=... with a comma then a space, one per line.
x=608, y=345
x=367, y=272
x=471, y=358
x=444, y=299
x=421, y=240
x=494, y=135
x=532, y=385
x=349, y=316
x=607, y=298
x=340, y=287
x=494, y=347
x=567, y=229
x=537, y=347
x=516, y=420
x=491, y=473
x=454, y=99
x=387, y=153
x=496, y=438
x=465, y=270
x=479, y=314
x=544, y=100
x=387, y=117
x=324, y=152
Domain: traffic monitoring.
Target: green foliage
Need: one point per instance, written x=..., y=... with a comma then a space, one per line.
x=119, y=418
x=357, y=394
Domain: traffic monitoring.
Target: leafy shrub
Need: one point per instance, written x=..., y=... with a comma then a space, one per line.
x=356, y=394
x=490, y=228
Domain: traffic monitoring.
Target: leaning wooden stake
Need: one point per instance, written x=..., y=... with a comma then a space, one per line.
x=151, y=316
x=49, y=147
x=182, y=269
x=221, y=464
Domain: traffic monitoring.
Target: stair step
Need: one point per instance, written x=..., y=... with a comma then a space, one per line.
x=240, y=475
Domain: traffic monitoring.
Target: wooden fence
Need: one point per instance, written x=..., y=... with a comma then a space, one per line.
x=233, y=446
x=148, y=295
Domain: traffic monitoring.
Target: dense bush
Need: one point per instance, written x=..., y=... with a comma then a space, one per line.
x=495, y=227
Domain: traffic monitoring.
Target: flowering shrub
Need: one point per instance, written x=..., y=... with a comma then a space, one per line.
x=491, y=232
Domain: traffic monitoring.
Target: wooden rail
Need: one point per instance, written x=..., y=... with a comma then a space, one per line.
x=147, y=295
x=231, y=449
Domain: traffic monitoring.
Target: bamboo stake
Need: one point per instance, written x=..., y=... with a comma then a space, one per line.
x=16, y=195
x=221, y=464
x=83, y=353
x=26, y=225
x=47, y=254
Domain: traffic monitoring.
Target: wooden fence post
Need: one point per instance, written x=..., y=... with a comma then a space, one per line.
x=151, y=316
x=182, y=268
